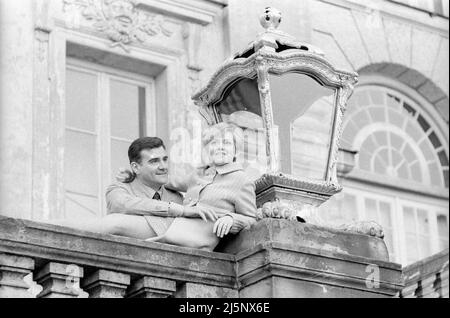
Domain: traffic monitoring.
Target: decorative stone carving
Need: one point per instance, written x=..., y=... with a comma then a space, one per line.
x=120, y=20
x=363, y=227
x=276, y=210
x=304, y=213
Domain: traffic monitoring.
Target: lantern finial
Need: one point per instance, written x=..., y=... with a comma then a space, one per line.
x=270, y=19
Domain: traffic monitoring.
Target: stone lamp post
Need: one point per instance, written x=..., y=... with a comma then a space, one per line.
x=289, y=100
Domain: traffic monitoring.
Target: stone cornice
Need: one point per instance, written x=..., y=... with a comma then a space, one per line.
x=201, y=12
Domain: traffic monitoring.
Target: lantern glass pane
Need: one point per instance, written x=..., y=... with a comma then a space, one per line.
x=303, y=113
x=240, y=105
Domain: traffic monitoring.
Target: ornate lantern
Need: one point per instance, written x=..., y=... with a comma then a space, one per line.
x=289, y=101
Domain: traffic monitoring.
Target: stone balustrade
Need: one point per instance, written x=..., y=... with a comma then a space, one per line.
x=275, y=258
x=427, y=278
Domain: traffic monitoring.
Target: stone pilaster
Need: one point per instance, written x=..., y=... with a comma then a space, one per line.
x=13, y=269
x=106, y=284
x=59, y=280
x=152, y=287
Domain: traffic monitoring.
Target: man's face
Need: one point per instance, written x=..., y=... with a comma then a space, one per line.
x=153, y=168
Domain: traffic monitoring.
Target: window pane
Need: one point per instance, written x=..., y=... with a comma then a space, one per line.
x=393, y=101
x=442, y=226
x=396, y=158
x=409, y=219
x=435, y=174
x=402, y=171
x=396, y=141
x=423, y=225
x=381, y=138
x=416, y=172
x=443, y=244
x=119, y=156
x=349, y=209
x=80, y=164
x=379, y=165
x=371, y=210
x=377, y=114
x=412, y=251
x=424, y=246
x=124, y=110
x=396, y=119
x=443, y=231
x=385, y=214
x=409, y=154
x=81, y=100
x=413, y=130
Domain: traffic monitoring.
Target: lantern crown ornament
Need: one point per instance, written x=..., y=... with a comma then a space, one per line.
x=289, y=100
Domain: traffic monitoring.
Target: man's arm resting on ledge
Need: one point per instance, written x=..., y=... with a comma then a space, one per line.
x=119, y=200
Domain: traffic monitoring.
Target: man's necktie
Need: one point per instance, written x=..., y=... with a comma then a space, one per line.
x=156, y=196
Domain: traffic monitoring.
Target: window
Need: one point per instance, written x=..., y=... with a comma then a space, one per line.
x=401, y=175
x=105, y=111
x=412, y=230
x=395, y=138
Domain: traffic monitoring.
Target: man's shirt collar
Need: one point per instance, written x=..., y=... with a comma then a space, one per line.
x=148, y=191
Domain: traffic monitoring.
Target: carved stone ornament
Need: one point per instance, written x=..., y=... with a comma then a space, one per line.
x=120, y=20
x=304, y=213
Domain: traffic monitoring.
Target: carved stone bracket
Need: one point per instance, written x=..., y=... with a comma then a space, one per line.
x=120, y=20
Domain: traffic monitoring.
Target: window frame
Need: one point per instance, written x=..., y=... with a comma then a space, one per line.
x=104, y=76
x=433, y=210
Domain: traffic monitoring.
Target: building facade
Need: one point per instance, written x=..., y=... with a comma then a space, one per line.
x=81, y=79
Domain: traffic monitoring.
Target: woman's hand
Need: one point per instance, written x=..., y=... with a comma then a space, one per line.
x=124, y=175
x=223, y=225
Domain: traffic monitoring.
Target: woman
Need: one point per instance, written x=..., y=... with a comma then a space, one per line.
x=221, y=185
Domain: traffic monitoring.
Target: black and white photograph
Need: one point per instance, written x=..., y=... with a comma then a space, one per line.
x=235, y=150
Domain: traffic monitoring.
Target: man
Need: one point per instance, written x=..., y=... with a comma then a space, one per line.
x=144, y=207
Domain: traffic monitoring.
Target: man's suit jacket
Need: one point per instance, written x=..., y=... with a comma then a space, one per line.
x=136, y=198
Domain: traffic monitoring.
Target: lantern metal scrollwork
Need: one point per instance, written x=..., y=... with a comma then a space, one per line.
x=289, y=100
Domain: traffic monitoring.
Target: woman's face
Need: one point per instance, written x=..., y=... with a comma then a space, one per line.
x=222, y=149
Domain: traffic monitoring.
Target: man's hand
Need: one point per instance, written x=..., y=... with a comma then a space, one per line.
x=124, y=175
x=223, y=226
x=199, y=211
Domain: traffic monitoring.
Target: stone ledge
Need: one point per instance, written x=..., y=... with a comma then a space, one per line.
x=44, y=242
x=274, y=258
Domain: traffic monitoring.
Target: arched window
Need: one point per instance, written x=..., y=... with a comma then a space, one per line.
x=395, y=137
x=400, y=179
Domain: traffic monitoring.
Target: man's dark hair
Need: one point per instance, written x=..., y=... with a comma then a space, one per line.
x=134, y=151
